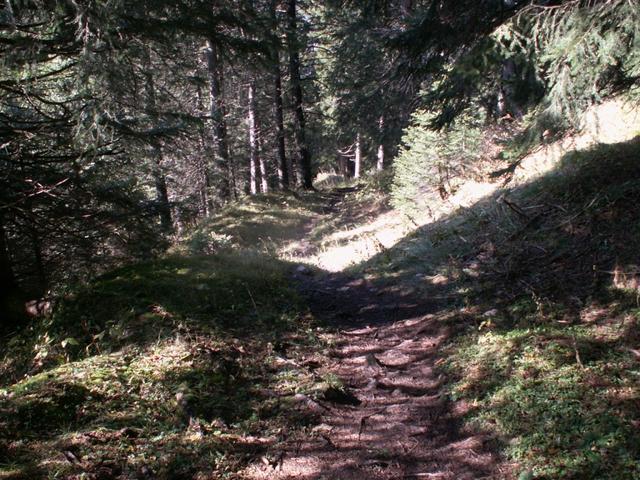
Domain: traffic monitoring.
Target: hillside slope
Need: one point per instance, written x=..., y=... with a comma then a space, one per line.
x=499, y=340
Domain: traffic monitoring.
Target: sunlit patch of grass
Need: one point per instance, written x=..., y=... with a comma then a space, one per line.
x=555, y=395
x=263, y=223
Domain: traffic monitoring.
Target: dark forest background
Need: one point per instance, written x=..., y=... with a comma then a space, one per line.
x=123, y=124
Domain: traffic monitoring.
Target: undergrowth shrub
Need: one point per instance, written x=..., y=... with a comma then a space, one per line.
x=431, y=162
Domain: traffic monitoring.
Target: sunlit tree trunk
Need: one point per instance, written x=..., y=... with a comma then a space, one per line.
x=162, y=192
x=304, y=156
x=219, y=127
x=357, y=160
x=380, y=163
x=253, y=147
x=264, y=178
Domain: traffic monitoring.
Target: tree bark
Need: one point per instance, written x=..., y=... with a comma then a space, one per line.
x=7, y=279
x=253, y=148
x=264, y=178
x=357, y=160
x=281, y=155
x=304, y=156
x=219, y=127
x=380, y=163
x=206, y=203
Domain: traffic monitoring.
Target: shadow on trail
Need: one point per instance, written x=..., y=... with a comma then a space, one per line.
x=392, y=329
x=386, y=354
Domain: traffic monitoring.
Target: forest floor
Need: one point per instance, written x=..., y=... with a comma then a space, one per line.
x=497, y=341
x=388, y=415
x=326, y=336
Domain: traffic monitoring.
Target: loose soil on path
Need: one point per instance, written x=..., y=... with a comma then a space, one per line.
x=393, y=419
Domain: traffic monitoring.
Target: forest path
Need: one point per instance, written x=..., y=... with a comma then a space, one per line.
x=392, y=419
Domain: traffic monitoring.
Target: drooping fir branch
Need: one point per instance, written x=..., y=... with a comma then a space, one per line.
x=551, y=61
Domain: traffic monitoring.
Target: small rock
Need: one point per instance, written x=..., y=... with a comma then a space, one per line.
x=490, y=313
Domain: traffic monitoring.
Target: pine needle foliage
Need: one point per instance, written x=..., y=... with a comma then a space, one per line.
x=583, y=51
x=565, y=58
x=432, y=162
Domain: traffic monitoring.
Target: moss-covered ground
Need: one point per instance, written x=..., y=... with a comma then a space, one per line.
x=183, y=367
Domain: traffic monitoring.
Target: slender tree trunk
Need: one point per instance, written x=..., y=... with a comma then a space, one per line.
x=304, y=156
x=357, y=160
x=281, y=155
x=157, y=170
x=7, y=279
x=162, y=192
x=36, y=242
x=264, y=177
x=281, y=152
x=204, y=181
x=380, y=163
x=253, y=147
x=255, y=153
x=9, y=16
x=219, y=127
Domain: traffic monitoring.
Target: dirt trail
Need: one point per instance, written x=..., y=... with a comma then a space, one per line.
x=397, y=423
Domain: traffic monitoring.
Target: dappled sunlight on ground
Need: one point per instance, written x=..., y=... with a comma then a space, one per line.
x=404, y=427
x=446, y=347
x=613, y=121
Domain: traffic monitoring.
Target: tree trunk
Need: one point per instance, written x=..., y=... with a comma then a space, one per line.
x=357, y=160
x=36, y=243
x=162, y=192
x=253, y=147
x=157, y=171
x=264, y=178
x=202, y=168
x=304, y=156
x=281, y=155
x=380, y=163
x=219, y=128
